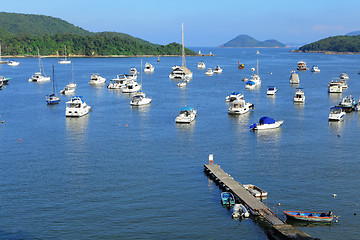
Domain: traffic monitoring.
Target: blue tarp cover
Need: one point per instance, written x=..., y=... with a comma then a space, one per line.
x=234, y=93
x=266, y=120
x=186, y=109
x=250, y=82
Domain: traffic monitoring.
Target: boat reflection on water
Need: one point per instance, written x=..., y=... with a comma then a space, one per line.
x=242, y=121
x=271, y=98
x=335, y=98
x=76, y=127
x=269, y=135
x=186, y=127
x=308, y=224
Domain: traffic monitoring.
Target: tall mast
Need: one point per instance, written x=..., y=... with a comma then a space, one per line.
x=183, y=46
x=141, y=75
x=65, y=52
x=39, y=59
x=257, y=67
x=53, y=80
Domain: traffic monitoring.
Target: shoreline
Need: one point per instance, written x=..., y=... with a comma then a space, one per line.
x=103, y=56
x=325, y=52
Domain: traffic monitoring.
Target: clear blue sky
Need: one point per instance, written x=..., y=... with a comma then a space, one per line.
x=206, y=23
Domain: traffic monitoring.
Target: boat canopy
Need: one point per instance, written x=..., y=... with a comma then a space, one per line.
x=271, y=87
x=235, y=93
x=339, y=108
x=186, y=109
x=266, y=120
x=77, y=98
x=250, y=83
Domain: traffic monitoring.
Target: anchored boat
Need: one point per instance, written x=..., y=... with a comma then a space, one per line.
x=227, y=199
x=310, y=216
x=266, y=123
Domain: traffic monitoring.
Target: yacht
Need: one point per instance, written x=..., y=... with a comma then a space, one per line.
x=218, y=69
x=69, y=89
x=299, y=96
x=187, y=115
x=271, y=90
x=315, y=69
x=343, y=76
x=343, y=83
x=266, y=123
x=336, y=114
x=209, y=72
x=255, y=78
x=38, y=77
x=96, y=79
x=239, y=106
x=65, y=60
x=294, y=78
x=119, y=82
x=201, y=65
x=234, y=96
x=13, y=63
x=133, y=71
x=348, y=104
x=335, y=87
x=76, y=107
x=149, y=68
x=140, y=99
x=301, y=66
x=131, y=87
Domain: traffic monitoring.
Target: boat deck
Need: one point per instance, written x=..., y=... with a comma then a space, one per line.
x=279, y=227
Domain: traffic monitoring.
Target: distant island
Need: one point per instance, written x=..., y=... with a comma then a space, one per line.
x=247, y=41
x=334, y=45
x=22, y=34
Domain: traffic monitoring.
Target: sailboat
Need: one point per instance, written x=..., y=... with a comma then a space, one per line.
x=181, y=73
x=71, y=87
x=64, y=61
x=2, y=61
x=140, y=97
x=52, y=99
x=38, y=77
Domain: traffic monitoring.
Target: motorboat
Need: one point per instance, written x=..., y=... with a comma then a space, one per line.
x=209, y=72
x=227, y=199
x=133, y=71
x=149, y=68
x=218, y=69
x=234, y=96
x=96, y=79
x=343, y=76
x=140, y=99
x=294, y=77
x=336, y=114
x=266, y=123
x=299, y=96
x=201, y=65
x=13, y=63
x=182, y=84
x=250, y=85
x=271, y=90
x=52, y=98
x=131, y=87
x=119, y=82
x=38, y=77
x=344, y=83
x=335, y=87
x=187, y=115
x=239, y=210
x=76, y=107
x=348, y=104
x=241, y=65
x=65, y=60
x=239, y=106
x=4, y=80
x=301, y=66
x=315, y=69
x=255, y=191
x=309, y=216
x=69, y=89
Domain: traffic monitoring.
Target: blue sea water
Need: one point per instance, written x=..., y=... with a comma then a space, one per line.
x=123, y=172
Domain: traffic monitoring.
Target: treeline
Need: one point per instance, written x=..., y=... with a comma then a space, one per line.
x=334, y=44
x=99, y=44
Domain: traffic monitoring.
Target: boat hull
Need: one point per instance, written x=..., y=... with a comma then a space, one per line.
x=309, y=216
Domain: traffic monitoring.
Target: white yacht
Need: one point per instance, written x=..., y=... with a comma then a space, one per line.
x=218, y=69
x=133, y=72
x=69, y=89
x=38, y=77
x=343, y=83
x=266, y=123
x=271, y=90
x=315, y=69
x=294, y=78
x=201, y=65
x=335, y=87
x=65, y=60
x=348, y=103
x=131, y=87
x=209, y=72
x=301, y=66
x=187, y=115
x=149, y=68
x=239, y=106
x=140, y=99
x=13, y=63
x=336, y=114
x=343, y=76
x=299, y=96
x=119, y=82
x=76, y=107
x=255, y=78
x=96, y=79
x=234, y=96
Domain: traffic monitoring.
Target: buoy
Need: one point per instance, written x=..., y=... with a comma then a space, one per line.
x=334, y=195
x=279, y=204
x=19, y=139
x=3, y=121
x=336, y=221
x=126, y=125
x=354, y=213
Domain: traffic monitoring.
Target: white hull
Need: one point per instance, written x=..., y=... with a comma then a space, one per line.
x=186, y=117
x=76, y=112
x=13, y=63
x=64, y=62
x=180, y=76
x=268, y=126
x=336, y=117
x=132, y=88
x=299, y=100
x=143, y=101
x=39, y=79
x=238, y=110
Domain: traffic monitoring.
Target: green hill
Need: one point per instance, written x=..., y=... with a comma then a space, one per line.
x=247, y=41
x=21, y=34
x=337, y=44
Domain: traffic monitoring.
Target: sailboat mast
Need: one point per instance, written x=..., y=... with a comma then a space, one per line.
x=53, y=79
x=72, y=69
x=183, y=45
x=141, y=74
x=65, y=52
x=257, y=67
x=39, y=59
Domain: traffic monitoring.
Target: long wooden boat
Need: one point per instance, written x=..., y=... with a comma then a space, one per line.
x=310, y=216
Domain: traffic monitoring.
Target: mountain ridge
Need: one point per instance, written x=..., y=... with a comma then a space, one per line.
x=250, y=42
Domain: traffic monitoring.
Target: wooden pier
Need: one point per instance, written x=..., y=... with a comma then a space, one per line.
x=279, y=230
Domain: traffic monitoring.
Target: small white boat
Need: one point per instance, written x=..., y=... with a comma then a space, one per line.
x=234, y=96
x=343, y=76
x=133, y=71
x=266, y=123
x=96, y=79
x=301, y=66
x=239, y=107
x=187, y=115
x=250, y=85
x=335, y=87
x=140, y=99
x=239, y=210
x=38, y=77
x=315, y=69
x=271, y=90
x=69, y=89
x=13, y=63
x=65, y=60
x=294, y=78
x=182, y=84
x=76, y=107
x=255, y=191
x=131, y=87
x=299, y=96
x=344, y=83
x=180, y=73
x=218, y=69
x=209, y=72
x=201, y=65
x=336, y=114
x=149, y=68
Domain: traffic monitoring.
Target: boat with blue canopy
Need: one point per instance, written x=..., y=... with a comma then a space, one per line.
x=234, y=96
x=187, y=115
x=309, y=216
x=266, y=123
x=227, y=199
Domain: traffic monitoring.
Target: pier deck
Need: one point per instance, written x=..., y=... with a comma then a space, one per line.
x=284, y=231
